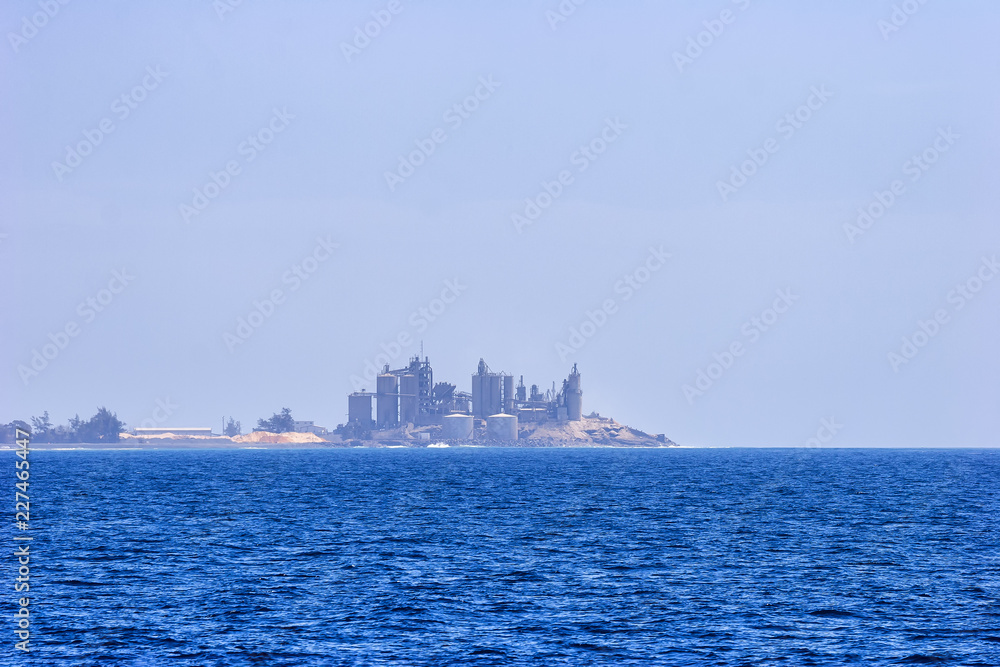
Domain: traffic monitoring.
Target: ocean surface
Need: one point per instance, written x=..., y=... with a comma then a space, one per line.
x=468, y=556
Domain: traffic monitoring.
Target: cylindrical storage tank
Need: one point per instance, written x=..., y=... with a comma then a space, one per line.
x=359, y=408
x=387, y=400
x=408, y=390
x=495, y=404
x=501, y=427
x=508, y=394
x=456, y=427
x=574, y=398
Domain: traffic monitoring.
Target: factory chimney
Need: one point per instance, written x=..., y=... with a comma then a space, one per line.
x=574, y=396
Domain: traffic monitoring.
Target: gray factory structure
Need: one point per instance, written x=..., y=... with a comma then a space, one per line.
x=409, y=397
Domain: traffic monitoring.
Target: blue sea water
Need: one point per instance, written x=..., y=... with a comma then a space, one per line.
x=514, y=557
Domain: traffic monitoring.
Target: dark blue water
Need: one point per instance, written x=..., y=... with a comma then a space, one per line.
x=515, y=557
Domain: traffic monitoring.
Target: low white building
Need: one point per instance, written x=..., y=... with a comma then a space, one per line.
x=309, y=427
x=206, y=431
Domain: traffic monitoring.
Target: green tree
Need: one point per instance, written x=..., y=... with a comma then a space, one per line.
x=8, y=432
x=102, y=427
x=233, y=428
x=75, y=425
x=41, y=428
x=278, y=423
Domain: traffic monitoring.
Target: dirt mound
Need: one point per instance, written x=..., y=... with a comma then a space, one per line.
x=589, y=431
x=166, y=436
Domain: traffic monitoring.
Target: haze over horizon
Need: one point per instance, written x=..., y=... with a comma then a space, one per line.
x=498, y=181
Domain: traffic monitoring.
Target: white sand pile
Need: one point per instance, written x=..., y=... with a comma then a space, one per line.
x=265, y=436
x=167, y=436
x=592, y=431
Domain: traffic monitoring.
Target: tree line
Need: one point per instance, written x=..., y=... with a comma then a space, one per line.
x=102, y=427
x=106, y=427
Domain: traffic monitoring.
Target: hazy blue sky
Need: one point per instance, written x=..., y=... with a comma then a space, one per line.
x=663, y=122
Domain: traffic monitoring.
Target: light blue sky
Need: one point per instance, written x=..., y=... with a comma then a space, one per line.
x=885, y=97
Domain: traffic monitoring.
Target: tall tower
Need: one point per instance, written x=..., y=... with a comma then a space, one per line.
x=480, y=391
x=574, y=396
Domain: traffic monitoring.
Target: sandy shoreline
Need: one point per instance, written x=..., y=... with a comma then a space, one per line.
x=126, y=445
x=192, y=445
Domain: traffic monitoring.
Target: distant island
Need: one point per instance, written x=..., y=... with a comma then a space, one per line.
x=411, y=410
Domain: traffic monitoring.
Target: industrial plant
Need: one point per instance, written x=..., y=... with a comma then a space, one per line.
x=409, y=398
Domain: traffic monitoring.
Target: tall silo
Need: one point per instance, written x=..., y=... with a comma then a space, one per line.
x=501, y=427
x=359, y=408
x=387, y=401
x=508, y=394
x=495, y=403
x=574, y=396
x=456, y=427
x=409, y=388
x=477, y=395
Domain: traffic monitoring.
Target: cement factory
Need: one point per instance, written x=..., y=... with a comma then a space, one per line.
x=408, y=397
